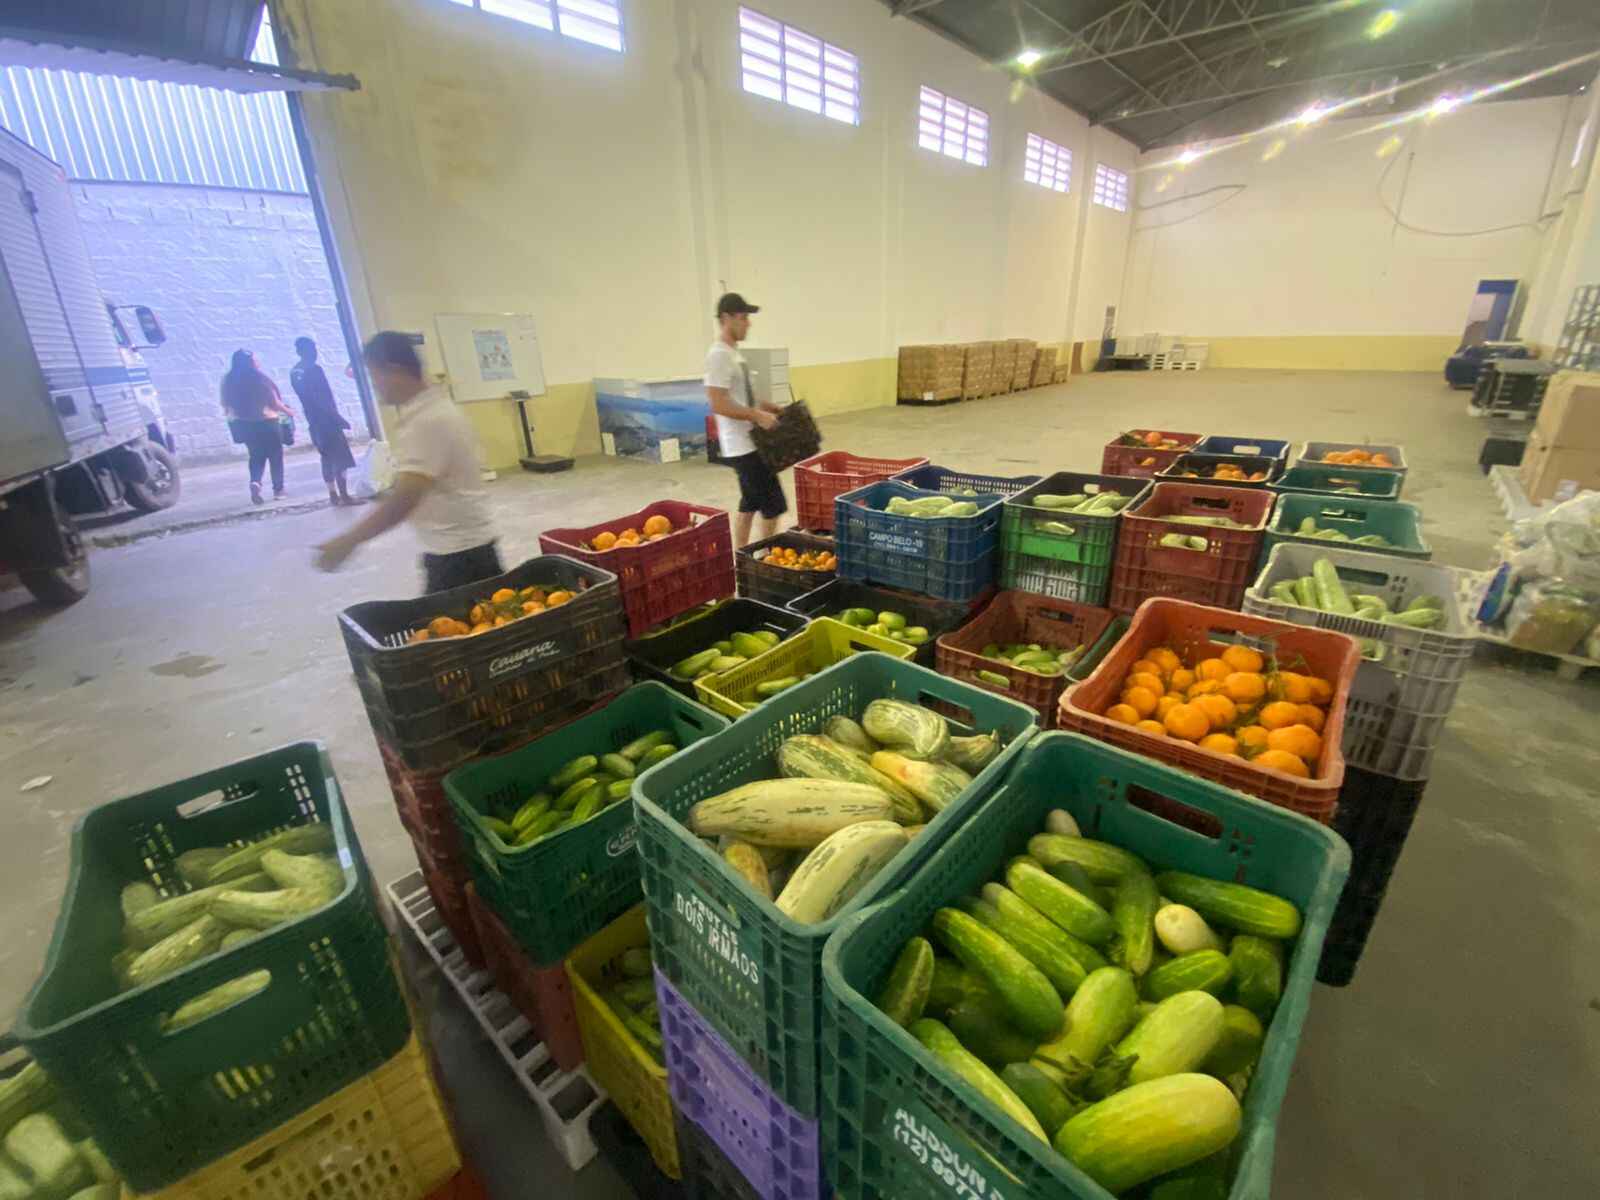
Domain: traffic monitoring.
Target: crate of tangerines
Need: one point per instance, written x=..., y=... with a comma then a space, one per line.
x=668, y=558
x=1256, y=704
x=785, y=567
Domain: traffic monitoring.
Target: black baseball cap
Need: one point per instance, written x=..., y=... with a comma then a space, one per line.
x=733, y=304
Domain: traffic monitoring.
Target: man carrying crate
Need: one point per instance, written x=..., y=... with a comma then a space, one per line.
x=728, y=389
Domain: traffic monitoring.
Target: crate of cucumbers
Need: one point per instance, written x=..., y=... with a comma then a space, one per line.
x=549, y=829
x=1379, y=526
x=745, y=686
x=1085, y=994
x=754, y=843
x=676, y=655
x=864, y=605
x=217, y=967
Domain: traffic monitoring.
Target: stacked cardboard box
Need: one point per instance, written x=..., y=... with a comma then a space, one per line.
x=1044, y=365
x=1005, y=366
x=977, y=371
x=930, y=373
x=1022, y=375
x=1563, y=455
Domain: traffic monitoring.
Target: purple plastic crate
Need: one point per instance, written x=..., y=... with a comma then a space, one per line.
x=775, y=1148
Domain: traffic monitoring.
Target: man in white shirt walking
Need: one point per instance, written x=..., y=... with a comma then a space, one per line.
x=438, y=481
x=728, y=389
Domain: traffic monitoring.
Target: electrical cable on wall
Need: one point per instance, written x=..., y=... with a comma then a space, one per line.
x=1401, y=223
x=1233, y=188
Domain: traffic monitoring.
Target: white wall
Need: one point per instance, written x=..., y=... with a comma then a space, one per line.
x=1308, y=244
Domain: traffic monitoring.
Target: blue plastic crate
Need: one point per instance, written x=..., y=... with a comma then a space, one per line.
x=942, y=479
x=951, y=558
x=960, y=582
x=1222, y=443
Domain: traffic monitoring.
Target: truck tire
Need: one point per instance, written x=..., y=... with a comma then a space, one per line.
x=161, y=487
x=61, y=586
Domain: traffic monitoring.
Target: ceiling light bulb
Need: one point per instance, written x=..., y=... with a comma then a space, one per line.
x=1188, y=156
x=1383, y=23
x=1028, y=58
x=1443, y=104
x=1313, y=113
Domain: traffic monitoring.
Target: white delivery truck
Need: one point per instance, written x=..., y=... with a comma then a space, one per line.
x=80, y=423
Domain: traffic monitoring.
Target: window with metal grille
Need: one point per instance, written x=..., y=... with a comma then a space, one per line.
x=1110, y=187
x=787, y=64
x=947, y=126
x=1047, y=164
x=598, y=22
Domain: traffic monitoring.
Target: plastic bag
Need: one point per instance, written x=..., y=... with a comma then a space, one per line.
x=1563, y=543
x=1551, y=616
x=375, y=472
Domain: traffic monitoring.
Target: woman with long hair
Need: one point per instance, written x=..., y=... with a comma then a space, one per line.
x=253, y=407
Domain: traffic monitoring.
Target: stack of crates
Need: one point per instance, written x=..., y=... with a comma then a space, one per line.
x=948, y=558
x=1404, y=689
x=1063, y=555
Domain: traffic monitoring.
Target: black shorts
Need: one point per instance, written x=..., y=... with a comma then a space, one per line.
x=759, y=488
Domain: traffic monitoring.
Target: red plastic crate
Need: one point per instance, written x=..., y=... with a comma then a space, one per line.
x=690, y=566
x=1216, y=575
x=1020, y=617
x=1117, y=459
x=449, y=892
x=820, y=478
x=541, y=994
x=1194, y=632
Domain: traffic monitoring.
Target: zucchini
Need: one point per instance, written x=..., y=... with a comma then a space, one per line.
x=27, y=1091
x=1416, y=618
x=1133, y=911
x=836, y=871
x=914, y=731
x=95, y=1159
x=1025, y=993
x=848, y=734
x=1257, y=973
x=1331, y=596
x=315, y=838
x=636, y=963
x=194, y=866
x=263, y=910
x=1051, y=1106
x=1150, y=1129
x=1177, y=1037
x=973, y=754
x=810, y=756
x=1246, y=909
x=236, y=937
x=936, y=784
x=178, y=950
x=1199, y=970
x=1062, y=970
x=1239, y=1045
x=148, y=926
x=1104, y=862
x=37, y=1145
x=1283, y=591
x=1018, y=910
x=310, y=871
x=572, y=771
x=640, y=746
x=1062, y=903
x=905, y=992
x=12, y=1185
x=1183, y=930
x=949, y=1051
x=98, y=1191
x=214, y=1000
x=137, y=897
x=1100, y=1012
x=797, y=813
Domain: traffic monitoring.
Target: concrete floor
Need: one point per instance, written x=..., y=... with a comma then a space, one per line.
x=1463, y=1062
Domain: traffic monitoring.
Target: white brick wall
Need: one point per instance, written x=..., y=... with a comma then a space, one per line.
x=225, y=270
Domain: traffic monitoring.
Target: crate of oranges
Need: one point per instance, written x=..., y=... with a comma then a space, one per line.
x=1366, y=456
x=785, y=567
x=1256, y=704
x=668, y=558
x=1235, y=470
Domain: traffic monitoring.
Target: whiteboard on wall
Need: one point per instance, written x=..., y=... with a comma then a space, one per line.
x=490, y=355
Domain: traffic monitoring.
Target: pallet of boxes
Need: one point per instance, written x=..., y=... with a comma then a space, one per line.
x=1044, y=366
x=977, y=370
x=930, y=374
x=1023, y=351
x=1563, y=453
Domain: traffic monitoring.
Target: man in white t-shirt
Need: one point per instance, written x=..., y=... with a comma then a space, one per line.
x=438, y=481
x=728, y=388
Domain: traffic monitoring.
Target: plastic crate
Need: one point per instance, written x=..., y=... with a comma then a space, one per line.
x=1191, y=630
x=689, y=566
x=652, y=657
x=385, y=1136
x=1223, y=443
x=793, y=439
x=1081, y=583
x=936, y=616
x=707, y=1172
x=1085, y=666
x=1375, y=817
x=779, y=585
x=542, y=994
x=1312, y=453
x=897, y=1120
x=442, y=701
x=1370, y=483
x=823, y=643
x=1020, y=617
x=1197, y=468
x=818, y=480
x=1216, y=575
x=1400, y=523
x=951, y=558
x=775, y=1149
x=162, y=1105
x=1130, y=461
x=634, y=1079
x=750, y=970
x=932, y=478
x=1093, y=539
x=561, y=889
x=962, y=582
x=447, y=888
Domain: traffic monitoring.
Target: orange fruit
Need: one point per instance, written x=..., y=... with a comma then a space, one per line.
x=479, y=612
x=1182, y=680
x=1313, y=716
x=1204, y=688
x=1164, y=706
x=499, y=621
x=1220, y=742
x=418, y=635
x=1321, y=690
x=1142, y=700
x=1213, y=668
x=443, y=626
x=657, y=524
x=604, y=541
x=503, y=596
x=1218, y=709
x=529, y=607
x=1166, y=658
x=1242, y=658
x=1187, y=721
x=1302, y=741
x=1155, y=727
x=1143, y=679
x=532, y=593
x=1294, y=688
x=557, y=598
x=1123, y=714
x=1251, y=737
x=1145, y=667
x=1244, y=687
x=1282, y=760
x=1279, y=714
x=481, y=628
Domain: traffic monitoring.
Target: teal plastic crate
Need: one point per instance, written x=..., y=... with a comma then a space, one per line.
x=1084, y=667
x=162, y=1105
x=1370, y=483
x=752, y=972
x=1354, y=516
x=562, y=889
x=897, y=1123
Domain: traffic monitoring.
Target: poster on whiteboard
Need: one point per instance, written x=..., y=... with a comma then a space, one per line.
x=490, y=355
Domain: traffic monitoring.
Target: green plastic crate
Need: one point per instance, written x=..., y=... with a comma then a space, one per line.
x=752, y=972
x=897, y=1123
x=1084, y=667
x=1356, y=516
x=820, y=644
x=164, y=1105
x=1370, y=483
x=1093, y=539
x=559, y=890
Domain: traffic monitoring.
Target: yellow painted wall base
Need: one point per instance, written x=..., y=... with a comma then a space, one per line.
x=845, y=387
x=1344, y=352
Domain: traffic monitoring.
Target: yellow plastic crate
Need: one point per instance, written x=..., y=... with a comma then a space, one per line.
x=384, y=1137
x=636, y=1081
x=820, y=644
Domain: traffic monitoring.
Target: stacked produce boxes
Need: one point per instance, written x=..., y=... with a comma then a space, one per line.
x=1022, y=369
x=930, y=374
x=977, y=370
x=1044, y=366
x=1005, y=366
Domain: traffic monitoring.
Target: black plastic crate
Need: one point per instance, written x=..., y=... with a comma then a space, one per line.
x=779, y=585
x=1203, y=464
x=936, y=616
x=652, y=657
x=793, y=439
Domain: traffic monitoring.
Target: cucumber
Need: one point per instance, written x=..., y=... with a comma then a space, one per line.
x=993, y=679
x=1062, y=970
x=1331, y=596
x=727, y=662
x=1240, y=1044
x=973, y=754
x=640, y=746
x=572, y=771
x=1150, y=1129
x=1239, y=907
x=1028, y=997
x=636, y=962
x=138, y=896
x=1018, y=910
x=905, y=993
x=1199, y=970
x=1049, y=1104
x=1075, y=876
x=859, y=617
x=1177, y=1037
x=574, y=791
x=773, y=686
x=910, y=729
x=1059, y=820
x=1062, y=903
x=1305, y=592
x=536, y=807
x=950, y=984
x=619, y=765
x=1181, y=930
x=1133, y=911
x=543, y=825
x=1283, y=592
x=1100, y=1012
x=37, y=1144
x=747, y=645
x=657, y=753
x=591, y=802
x=949, y=1051
x=1257, y=973
x=1104, y=862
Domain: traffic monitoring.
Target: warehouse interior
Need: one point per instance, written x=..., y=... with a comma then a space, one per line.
x=1302, y=211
